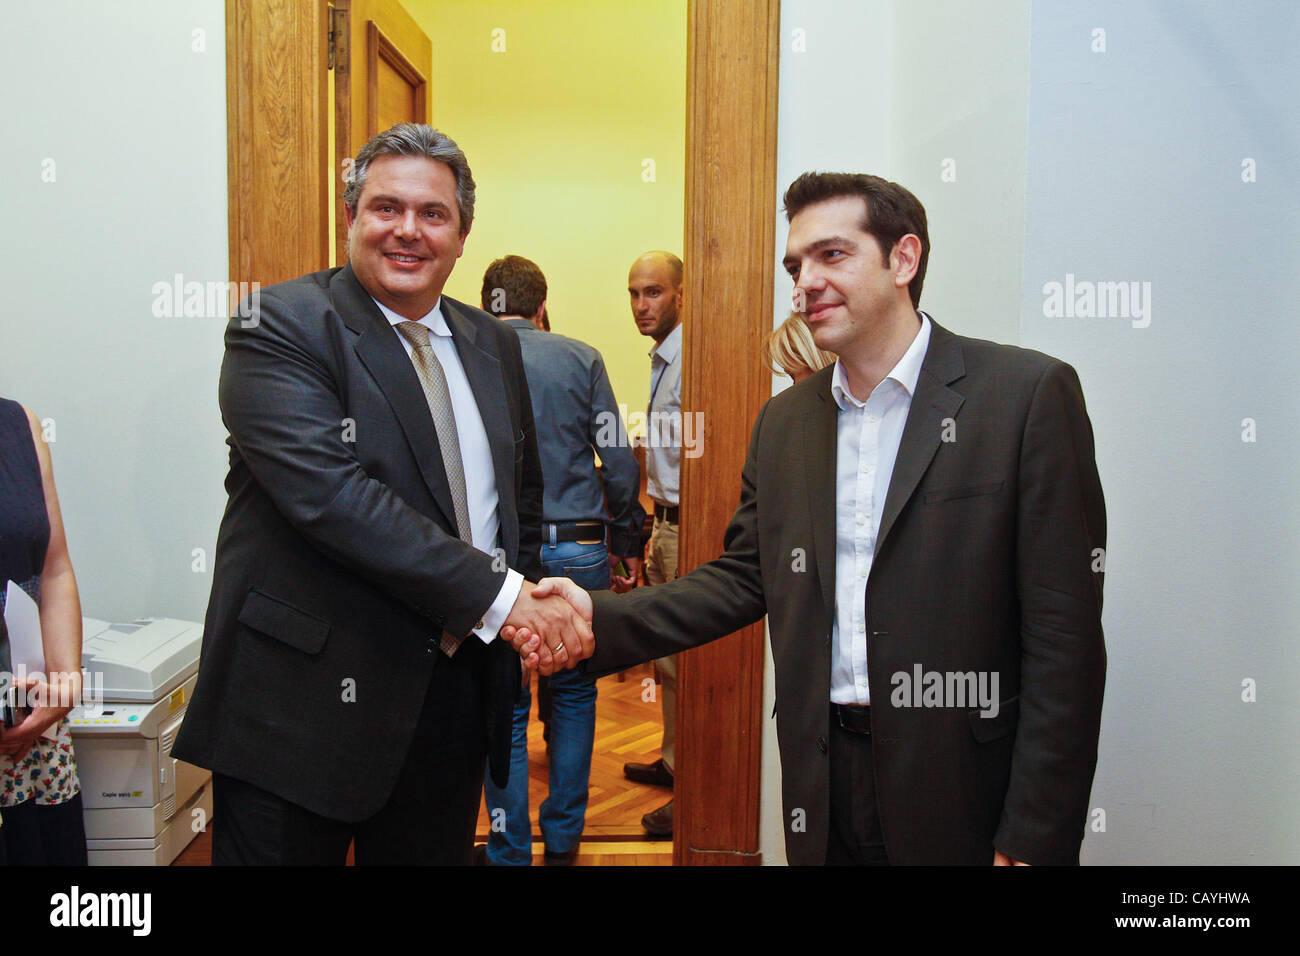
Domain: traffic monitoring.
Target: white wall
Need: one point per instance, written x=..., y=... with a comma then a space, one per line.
x=115, y=160
x=1136, y=175
x=958, y=134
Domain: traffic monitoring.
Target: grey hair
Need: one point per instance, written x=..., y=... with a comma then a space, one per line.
x=414, y=139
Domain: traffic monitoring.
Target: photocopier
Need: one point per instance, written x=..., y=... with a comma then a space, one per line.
x=142, y=808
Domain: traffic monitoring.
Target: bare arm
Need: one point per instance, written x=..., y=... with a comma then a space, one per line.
x=60, y=611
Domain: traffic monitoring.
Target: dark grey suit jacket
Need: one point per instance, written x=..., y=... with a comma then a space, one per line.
x=338, y=565
x=984, y=562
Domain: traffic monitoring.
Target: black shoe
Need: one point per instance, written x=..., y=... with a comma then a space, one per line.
x=659, y=823
x=553, y=858
x=656, y=773
x=480, y=855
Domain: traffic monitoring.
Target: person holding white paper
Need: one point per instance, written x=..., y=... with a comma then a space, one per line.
x=40, y=794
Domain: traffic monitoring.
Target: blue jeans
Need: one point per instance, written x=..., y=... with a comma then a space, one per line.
x=572, y=729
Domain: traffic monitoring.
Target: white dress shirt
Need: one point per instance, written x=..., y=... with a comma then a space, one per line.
x=663, y=453
x=868, y=434
x=475, y=455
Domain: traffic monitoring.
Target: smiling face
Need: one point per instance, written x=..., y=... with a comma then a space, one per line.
x=405, y=236
x=851, y=292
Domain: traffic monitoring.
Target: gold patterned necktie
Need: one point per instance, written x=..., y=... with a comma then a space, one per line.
x=434, y=382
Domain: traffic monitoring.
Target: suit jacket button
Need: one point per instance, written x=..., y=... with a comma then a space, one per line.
x=821, y=744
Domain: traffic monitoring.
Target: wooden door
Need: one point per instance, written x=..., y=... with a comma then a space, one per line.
x=277, y=148
x=382, y=62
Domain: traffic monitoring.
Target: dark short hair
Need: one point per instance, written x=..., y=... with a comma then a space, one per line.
x=521, y=282
x=892, y=212
x=414, y=139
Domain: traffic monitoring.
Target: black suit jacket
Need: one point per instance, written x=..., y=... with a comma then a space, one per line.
x=984, y=563
x=338, y=565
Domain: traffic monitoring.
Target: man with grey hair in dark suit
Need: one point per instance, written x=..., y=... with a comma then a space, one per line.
x=385, y=510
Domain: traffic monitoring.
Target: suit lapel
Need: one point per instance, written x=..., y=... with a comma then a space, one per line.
x=820, y=439
x=487, y=382
x=933, y=402
x=379, y=350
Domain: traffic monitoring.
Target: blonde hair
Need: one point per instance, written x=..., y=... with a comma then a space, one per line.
x=790, y=348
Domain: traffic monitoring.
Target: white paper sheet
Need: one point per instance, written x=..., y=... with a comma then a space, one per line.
x=26, y=651
x=23, y=619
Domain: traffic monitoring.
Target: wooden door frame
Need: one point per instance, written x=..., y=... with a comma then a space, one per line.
x=277, y=138
x=731, y=105
x=279, y=210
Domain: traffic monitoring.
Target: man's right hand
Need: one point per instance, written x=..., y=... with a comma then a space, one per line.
x=558, y=613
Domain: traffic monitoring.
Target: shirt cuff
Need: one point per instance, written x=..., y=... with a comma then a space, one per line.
x=496, y=615
x=622, y=542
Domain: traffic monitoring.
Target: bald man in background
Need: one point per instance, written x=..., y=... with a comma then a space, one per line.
x=654, y=284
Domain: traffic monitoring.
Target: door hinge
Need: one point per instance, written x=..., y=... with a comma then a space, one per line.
x=338, y=40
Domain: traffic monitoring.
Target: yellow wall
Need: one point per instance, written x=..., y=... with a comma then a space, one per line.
x=556, y=129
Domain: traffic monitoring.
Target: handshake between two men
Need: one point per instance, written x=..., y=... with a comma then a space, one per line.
x=550, y=625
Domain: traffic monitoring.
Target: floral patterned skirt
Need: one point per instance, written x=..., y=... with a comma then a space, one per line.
x=47, y=774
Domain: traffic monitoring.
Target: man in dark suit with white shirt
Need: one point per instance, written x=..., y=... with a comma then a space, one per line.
x=384, y=512
x=923, y=524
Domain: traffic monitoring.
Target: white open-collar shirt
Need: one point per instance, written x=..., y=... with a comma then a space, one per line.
x=868, y=434
x=663, y=454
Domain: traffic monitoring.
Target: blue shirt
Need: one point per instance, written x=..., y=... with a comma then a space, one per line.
x=577, y=419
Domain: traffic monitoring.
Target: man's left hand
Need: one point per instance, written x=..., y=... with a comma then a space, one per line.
x=618, y=583
x=1001, y=859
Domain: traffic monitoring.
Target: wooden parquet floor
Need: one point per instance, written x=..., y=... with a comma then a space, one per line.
x=628, y=728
